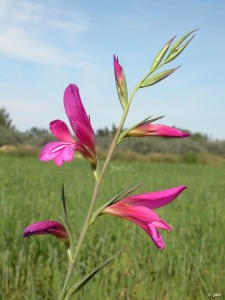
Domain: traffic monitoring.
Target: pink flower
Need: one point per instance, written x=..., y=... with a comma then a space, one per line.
x=147, y=129
x=63, y=150
x=118, y=71
x=138, y=209
x=121, y=83
x=46, y=227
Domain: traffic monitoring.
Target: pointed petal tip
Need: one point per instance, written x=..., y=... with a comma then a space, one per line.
x=183, y=187
x=186, y=134
x=180, y=189
x=72, y=86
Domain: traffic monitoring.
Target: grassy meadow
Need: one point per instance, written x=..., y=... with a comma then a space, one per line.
x=191, y=267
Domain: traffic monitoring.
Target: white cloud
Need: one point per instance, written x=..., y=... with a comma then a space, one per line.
x=29, y=31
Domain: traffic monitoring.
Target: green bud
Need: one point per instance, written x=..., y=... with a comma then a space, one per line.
x=158, y=77
x=177, y=52
x=177, y=44
x=161, y=54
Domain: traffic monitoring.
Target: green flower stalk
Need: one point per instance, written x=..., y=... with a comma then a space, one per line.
x=138, y=208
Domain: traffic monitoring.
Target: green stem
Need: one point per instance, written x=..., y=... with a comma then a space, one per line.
x=72, y=262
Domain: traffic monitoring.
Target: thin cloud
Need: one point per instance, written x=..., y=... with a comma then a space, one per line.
x=31, y=33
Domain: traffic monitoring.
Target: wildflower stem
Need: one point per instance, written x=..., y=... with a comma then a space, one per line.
x=98, y=182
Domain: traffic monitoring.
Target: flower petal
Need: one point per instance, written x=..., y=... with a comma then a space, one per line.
x=133, y=213
x=154, y=199
x=60, y=130
x=68, y=152
x=155, y=236
x=51, y=150
x=66, y=155
x=141, y=216
x=162, y=225
x=84, y=137
x=59, y=151
x=58, y=160
x=75, y=110
x=118, y=70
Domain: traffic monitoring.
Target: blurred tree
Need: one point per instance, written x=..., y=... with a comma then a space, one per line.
x=35, y=132
x=103, y=132
x=5, y=119
x=38, y=137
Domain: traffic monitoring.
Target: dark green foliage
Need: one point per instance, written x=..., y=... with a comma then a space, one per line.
x=38, y=137
x=5, y=120
x=190, y=158
x=10, y=136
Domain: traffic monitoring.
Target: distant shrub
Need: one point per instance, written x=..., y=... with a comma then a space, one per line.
x=128, y=155
x=189, y=158
x=210, y=159
x=19, y=150
x=163, y=157
x=5, y=120
x=10, y=136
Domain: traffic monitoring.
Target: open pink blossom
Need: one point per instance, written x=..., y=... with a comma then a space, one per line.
x=63, y=150
x=147, y=129
x=138, y=209
x=47, y=227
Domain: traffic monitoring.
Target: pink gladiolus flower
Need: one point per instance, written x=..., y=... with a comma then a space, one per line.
x=46, y=227
x=121, y=83
x=147, y=129
x=63, y=150
x=118, y=71
x=138, y=209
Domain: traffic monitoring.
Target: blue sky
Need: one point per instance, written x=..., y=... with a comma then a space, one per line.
x=45, y=45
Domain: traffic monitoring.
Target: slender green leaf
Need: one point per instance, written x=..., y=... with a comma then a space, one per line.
x=152, y=120
x=158, y=77
x=177, y=52
x=75, y=288
x=161, y=54
x=64, y=210
x=34, y=291
x=24, y=296
x=177, y=44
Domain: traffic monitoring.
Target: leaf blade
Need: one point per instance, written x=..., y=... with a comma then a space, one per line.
x=177, y=44
x=75, y=288
x=162, y=52
x=158, y=77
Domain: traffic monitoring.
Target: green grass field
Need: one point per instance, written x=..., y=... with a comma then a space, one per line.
x=191, y=267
